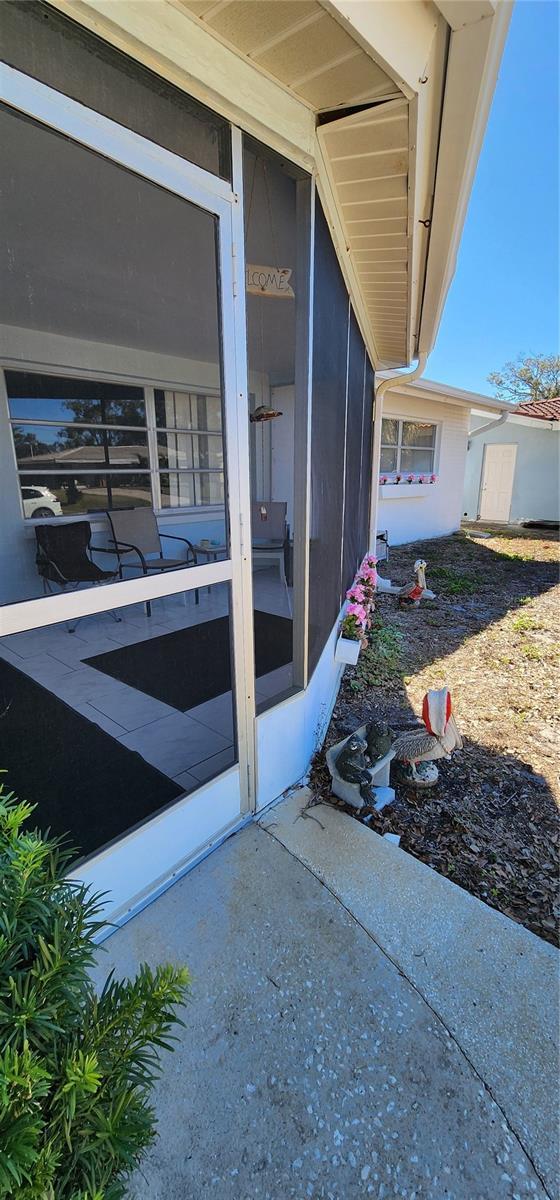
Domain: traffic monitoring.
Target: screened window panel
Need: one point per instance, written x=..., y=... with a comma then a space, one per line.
x=353, y=476
x=388, y=459
x=330, y=325
x=36, y=397
x=367, y=447
x=418, y=434
x=112, y=265
x=79, y=494
x=185, y=410
x=45, y=44
x=50, y=447
x=85, y=741
x=416, y=460
x=389, y=431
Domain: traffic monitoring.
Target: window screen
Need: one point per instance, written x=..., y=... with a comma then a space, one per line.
x=330, y=335
x=43, y=43
x=353, y=548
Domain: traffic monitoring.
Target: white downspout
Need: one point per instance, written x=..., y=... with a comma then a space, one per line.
x=380, y=389
x=489, y=425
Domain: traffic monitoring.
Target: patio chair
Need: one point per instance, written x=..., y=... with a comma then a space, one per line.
x=136, y=541
x=64, y=557
x=270, y=532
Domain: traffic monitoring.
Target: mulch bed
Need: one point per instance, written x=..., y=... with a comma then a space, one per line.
x=492, y=823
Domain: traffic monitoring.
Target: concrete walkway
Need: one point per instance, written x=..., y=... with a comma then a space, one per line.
x=310, y=1066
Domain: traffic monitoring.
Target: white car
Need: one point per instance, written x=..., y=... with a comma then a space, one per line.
x=39, y=502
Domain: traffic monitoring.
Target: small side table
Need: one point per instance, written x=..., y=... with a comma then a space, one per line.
x=210, y=552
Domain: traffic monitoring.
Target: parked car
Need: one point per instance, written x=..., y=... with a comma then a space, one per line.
x=39, y=502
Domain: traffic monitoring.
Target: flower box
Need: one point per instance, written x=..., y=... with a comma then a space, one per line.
x=347, y=650
x=405, y=491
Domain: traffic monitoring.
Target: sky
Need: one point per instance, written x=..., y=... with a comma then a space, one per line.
x=503, y=300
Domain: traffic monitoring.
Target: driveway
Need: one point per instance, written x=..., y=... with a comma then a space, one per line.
x=310, y=1066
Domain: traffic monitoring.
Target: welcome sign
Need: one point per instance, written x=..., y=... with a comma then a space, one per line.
x=269, y=281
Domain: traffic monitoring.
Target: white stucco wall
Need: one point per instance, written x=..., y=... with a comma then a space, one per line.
x=536, y=484
x=437, y=510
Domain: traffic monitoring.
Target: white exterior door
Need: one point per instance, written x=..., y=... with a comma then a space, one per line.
x=497, y=482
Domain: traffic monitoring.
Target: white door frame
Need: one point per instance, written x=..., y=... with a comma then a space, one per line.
x=218, y=197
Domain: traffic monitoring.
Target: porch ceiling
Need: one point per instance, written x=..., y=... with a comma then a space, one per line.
x=367, y=158
x=366, y=154
x=301, y=46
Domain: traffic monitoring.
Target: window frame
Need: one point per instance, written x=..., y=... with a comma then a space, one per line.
x=149, y=428
x=398, y=445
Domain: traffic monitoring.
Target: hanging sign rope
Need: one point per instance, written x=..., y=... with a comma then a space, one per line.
x=269, y=281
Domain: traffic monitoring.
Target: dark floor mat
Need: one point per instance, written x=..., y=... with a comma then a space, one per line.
x=84, y=782
x=192, y=665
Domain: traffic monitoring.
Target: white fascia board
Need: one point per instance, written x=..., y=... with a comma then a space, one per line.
x=174, y=45
x=397, y=36
x=459, y=13
x=475, y=53
x=426, y=389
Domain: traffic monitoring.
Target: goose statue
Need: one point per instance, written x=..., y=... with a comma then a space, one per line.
x=413, y=593
x=416, y=749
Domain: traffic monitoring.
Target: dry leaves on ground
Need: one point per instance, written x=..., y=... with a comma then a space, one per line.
x=491, y=824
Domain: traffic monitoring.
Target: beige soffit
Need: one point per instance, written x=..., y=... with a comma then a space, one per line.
x=366, y=156
x=300, y=45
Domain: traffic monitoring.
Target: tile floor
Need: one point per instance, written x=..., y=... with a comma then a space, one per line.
x=188, y=747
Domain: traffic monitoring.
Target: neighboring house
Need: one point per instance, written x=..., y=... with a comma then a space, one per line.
x=218, y=221
x=513, y=465
x=424, y=438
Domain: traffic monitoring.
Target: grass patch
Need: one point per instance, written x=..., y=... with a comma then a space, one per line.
x=524, y=623
x=532, y=652
x=452, y=582
x=380, y=661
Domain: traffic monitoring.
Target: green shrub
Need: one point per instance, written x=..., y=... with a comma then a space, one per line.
x=76, y=1070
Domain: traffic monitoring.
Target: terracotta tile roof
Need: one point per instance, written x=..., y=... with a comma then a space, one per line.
x=543, y=410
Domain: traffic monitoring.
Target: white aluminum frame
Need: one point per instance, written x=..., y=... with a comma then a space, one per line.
x=216, y=196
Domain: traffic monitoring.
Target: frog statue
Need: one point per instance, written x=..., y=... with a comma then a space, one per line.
x=379, y=739
x=352, y=766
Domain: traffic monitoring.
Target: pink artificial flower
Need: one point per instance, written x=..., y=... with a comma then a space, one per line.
x=398, y=478
x=358, y=611
x=420, y=479
x=368, y=573
x=433, y=478
x=383, y=479
x=410, y=478
x=356, y=593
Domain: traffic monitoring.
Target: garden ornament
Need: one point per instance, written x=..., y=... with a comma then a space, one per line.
x=379, y=740
x=415, y=750
x=352, y=766
x=413, y=593
x=354, y=779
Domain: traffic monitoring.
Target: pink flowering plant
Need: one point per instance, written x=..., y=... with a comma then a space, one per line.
x=361, y=601
x=410, y=478
x=354, y=623
x=433, y=478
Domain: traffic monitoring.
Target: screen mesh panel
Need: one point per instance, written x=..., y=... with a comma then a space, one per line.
x=353, y=543
x=341, y=444
x=43, y=43
x=367, y=448
x=330, y=326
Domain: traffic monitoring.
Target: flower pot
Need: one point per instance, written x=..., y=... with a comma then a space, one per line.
x=347, y=650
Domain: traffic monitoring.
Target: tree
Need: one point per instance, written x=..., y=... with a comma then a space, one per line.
x=532, y=378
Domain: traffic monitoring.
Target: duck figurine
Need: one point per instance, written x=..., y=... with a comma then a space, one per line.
x=413, y=593
x=416, y=749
